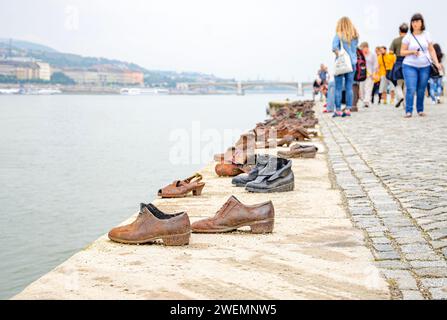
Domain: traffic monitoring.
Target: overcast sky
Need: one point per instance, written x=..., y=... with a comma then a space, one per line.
x=244, y=39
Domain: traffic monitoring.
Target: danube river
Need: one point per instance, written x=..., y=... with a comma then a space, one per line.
x=72, y=167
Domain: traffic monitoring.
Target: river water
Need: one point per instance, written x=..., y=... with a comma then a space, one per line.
x=72, y=167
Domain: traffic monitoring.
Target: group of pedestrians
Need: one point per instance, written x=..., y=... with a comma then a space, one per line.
x=411, y=65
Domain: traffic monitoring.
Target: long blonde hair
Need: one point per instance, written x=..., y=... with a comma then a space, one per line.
x=346, y=30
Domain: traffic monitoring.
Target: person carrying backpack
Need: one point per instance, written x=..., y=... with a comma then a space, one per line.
x=397, y=73
x=371, y=68
x=359, y=76
x=436, y=82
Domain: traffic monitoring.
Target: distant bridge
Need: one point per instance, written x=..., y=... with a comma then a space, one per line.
x=241, y=86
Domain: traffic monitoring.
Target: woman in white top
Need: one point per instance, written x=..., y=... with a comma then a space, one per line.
x=417, y=47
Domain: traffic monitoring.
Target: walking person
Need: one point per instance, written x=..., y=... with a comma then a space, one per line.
x=419, y=52
x=330, y=95
x=386, y=64
x=345, y=40
x=435, y=83
x=323, y=74
x=330, y=101
x=317, y=86
x=367, y=86
x=397, y=72
x=376, y=97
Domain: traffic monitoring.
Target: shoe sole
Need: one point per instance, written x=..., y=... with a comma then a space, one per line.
x=258, y=227
x=189, y=194
x=239, y=185
x=173, y=197
x=284, y=188
x=302, y=156
x=169, y=241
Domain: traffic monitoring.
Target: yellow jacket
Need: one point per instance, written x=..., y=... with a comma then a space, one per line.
x=386, y=63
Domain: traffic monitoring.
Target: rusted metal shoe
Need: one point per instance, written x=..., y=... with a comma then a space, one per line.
x=228, y=170
x=277, y=176
x=153, y=225
x=234, y=215
x=243, y=150
x=242, y=179
x=181, y=188
x=286, y=141
x=299, y=151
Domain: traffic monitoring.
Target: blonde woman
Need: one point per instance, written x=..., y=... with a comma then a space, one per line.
x=347, y=34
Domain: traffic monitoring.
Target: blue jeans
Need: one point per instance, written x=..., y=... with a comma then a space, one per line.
x=349, y=81
x=435, y=88
x=331, y=97
x=416, y=81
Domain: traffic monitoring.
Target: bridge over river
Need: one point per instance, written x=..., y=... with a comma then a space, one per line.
x=240, y=86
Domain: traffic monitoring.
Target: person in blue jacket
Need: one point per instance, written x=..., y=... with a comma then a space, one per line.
x=347, y=34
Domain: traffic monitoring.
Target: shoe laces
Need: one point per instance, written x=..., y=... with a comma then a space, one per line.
x=223, y=208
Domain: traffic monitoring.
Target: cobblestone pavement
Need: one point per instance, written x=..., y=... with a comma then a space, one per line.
x=393, y=174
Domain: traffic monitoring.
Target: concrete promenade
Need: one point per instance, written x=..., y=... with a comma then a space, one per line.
x=315, y=252
x=393, y=174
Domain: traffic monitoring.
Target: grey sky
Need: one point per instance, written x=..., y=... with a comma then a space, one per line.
x=274, y=39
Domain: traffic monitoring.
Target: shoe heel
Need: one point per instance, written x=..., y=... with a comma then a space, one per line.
x=285, y=188
x=309, y=155
x=177, y=240
x=198, y=191
x=262, y=227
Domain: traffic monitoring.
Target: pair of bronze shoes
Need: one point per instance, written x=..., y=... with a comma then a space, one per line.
x=299, y=151
x=181, y=188
x=297, y=132
x=153, y=225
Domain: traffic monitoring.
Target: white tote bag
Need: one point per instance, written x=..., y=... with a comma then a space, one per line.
x=343, y=63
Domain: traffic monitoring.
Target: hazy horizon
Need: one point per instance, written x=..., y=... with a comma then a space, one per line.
x=265, y=39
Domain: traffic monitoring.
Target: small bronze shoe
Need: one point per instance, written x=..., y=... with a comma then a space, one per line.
x=243, y=150
x=180, y=189
x=299, y=151
x=286, y=141
x=234, y=215
x=152, y=225
x=228, y=170
x=300, y=134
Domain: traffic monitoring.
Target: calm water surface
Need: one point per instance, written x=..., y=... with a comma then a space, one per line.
x=72, y=167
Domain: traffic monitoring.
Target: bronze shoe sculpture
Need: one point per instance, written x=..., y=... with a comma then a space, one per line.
x=286, y=141
x=243, y=150
x=228, y=170
x=276, y=176
x=299, y=151
x=180, y=189
x=152, y=225
x=242, y=179
x=297, y=132
x=234, y=215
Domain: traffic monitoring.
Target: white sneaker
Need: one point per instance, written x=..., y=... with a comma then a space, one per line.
x=433, y=102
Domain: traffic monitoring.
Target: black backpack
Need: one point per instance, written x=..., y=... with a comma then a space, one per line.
x=361, y=72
